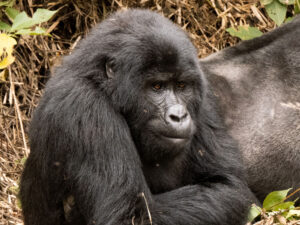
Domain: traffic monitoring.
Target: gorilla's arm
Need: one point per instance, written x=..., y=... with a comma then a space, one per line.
x=197, y=205
x=110, y=159
x=86, y=146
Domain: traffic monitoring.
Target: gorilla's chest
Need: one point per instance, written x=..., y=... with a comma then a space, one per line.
x=163, y=177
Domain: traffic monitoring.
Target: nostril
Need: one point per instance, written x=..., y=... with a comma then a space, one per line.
x=175, y=118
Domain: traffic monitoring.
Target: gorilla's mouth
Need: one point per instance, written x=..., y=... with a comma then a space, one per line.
x=176, y=139
x=174, y=136
x=169, y=134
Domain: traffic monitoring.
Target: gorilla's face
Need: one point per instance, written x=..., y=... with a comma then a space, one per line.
x=170, y=126
x=170, y=109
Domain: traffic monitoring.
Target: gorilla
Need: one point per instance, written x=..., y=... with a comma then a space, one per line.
x=128, y=132
x=257, y=84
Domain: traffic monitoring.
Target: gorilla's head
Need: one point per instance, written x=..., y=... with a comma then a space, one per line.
x=151, y=75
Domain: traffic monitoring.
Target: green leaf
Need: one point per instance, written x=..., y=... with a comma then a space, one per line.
x=22, y=21
x=245, y=32
x=254, y=212
x=39, y=31
x=11, y=13
x=8, y=3
x=266, y=2
x=276, y=11
x=4, y=27
x=42, y=15
x=36, y=31
x=287, y=2
x=275, y=198
x=24, y=31
x=284, y=205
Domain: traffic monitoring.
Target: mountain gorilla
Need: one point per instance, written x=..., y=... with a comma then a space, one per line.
x=258, y=85
x=127, y=132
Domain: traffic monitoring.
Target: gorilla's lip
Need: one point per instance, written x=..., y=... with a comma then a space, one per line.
x=176, y=134
x=174, y=137
x=175, y=140
x=173, y=134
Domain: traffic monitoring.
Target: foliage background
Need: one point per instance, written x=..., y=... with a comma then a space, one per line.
x=205, y=20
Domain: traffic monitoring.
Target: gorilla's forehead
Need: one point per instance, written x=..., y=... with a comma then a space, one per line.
x=158, y=50
x=147, y=35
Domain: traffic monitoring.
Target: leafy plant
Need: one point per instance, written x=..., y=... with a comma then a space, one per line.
x=276, y=208
x=23, y=24
x=19, y=24
x=277, y=9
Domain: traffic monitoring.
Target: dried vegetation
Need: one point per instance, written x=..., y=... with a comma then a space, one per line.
x=206, y=22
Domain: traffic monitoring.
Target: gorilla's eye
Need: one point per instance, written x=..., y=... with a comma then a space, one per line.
x=157, y=86
x=109, y=69
x=180, y=85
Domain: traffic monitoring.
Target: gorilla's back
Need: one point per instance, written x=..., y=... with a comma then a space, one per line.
x=258, y=85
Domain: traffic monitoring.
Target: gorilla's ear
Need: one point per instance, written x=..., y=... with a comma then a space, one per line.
x=109, y=68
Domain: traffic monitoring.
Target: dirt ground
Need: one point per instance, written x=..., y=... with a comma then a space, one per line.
x=205, y=21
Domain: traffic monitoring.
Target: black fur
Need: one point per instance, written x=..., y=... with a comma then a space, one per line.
x=258, y=85
x=88, y=139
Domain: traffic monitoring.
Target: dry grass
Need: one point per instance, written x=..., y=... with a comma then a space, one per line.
x=206, y=22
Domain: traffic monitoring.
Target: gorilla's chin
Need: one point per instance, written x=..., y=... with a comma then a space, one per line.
x=157, y=147
x=172, y=146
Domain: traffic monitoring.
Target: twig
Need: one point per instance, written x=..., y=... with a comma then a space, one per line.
x=147, y=206
x=17, y=108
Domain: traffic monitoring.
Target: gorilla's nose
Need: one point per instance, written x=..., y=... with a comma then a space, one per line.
x=178, y=117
